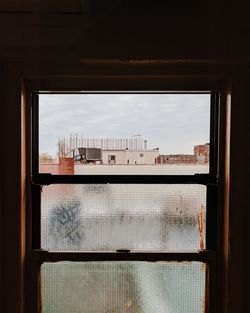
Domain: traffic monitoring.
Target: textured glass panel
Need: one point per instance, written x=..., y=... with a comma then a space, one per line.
x=122, y=133
x=121, y=287
x=134, y=217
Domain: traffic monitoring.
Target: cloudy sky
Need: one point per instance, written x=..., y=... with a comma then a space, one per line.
x=172, y=122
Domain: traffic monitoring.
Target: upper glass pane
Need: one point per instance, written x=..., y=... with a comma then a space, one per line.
x=124, y=134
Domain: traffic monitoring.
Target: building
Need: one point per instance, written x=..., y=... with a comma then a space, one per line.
x=118, y=157
x=120, y=151
x=200, y=156
x=129, y=157
x=202, y=153
x=176, y=159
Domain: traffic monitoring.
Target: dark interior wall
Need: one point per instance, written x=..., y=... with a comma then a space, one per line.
x=207, y=37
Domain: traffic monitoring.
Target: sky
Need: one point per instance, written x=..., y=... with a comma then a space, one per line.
x=174, y=123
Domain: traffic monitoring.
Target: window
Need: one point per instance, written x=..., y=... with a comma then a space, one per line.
x=131, y=237
x=146, y=125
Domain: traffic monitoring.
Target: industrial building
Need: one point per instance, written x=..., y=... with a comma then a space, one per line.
x=132, y=150
x=202, y=153
x=111, y=151
x=128, y=157
x=118, y=157
x=176, y=159
x=200, y=156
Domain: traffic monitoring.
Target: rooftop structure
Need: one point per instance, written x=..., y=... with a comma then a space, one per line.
x=68, y=146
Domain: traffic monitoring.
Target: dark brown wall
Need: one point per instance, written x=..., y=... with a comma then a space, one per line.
x=207, y=37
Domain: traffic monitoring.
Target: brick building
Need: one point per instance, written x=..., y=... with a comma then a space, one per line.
x=202, y=153
x=176, y=159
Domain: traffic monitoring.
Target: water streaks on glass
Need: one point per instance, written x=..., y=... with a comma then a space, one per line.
x=135, y=287
x=133, y=217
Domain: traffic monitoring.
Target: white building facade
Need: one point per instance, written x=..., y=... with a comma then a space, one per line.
x=130, y=157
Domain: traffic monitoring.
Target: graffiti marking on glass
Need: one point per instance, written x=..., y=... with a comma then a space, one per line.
x=65, y=222
x=130, y=217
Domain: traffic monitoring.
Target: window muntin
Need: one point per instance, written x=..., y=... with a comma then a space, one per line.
x=90, y=128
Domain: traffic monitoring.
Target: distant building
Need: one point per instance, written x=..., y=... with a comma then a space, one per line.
x=200, y=156
x=201, y=153
x=140, y=156
x=176, y=159
x=131, y=150
x=118, y=157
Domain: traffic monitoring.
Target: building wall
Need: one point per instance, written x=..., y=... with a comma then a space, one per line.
x=142, y=156
x=120, y=156
x=131, y=156
x=176, y=158
x=202, y=153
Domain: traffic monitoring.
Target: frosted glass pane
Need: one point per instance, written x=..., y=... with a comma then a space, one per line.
x=121, y=287
x=134, y=217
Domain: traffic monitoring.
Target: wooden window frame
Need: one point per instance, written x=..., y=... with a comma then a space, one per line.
x=215, y=180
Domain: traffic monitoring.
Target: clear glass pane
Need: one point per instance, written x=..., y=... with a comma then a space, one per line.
x=121, y=287
x=142, y=134
x=134, y=217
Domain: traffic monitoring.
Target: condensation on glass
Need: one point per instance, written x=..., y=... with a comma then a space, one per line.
x=122, y=287
x=124, y=134
x=109, y=217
